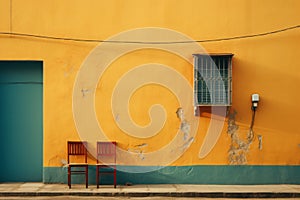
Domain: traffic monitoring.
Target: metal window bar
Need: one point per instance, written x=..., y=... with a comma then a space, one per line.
x=213, y=82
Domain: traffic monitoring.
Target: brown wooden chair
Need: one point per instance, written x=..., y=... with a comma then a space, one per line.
x=106, y=161
x=77, y=150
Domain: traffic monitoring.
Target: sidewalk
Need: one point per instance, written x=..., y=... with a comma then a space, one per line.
x=175, y=190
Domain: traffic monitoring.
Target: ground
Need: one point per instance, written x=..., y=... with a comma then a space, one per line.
x=121, y=198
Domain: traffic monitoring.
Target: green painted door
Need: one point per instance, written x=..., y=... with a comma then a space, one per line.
x=21, y=121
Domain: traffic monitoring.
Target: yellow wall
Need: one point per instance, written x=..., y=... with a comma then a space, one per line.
x=266, y=65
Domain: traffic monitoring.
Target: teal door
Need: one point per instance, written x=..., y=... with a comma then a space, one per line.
x=21, y=121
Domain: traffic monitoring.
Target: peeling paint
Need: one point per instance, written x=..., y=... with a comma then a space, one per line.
x=141, y=155
x=259, y=141
x=180, y=114
x=139, y=150
x=187, y=143
x=84, y=92
x=185, y=127
x=55, y=159
x=239, y=148
x=64, y=163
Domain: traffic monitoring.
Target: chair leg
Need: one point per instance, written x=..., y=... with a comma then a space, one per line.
x=97, y=176
x=86, y=176
x=115, y=177
x=69, y=177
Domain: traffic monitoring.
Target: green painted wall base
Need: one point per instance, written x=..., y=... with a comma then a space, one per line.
x=204, y=174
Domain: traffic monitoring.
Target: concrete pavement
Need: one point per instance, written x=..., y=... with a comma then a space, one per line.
x=165, y=190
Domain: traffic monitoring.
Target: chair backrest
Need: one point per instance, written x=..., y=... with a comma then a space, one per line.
x=106, y=152
x=77, y=148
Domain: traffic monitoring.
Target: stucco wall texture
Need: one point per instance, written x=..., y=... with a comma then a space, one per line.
x=267, y=65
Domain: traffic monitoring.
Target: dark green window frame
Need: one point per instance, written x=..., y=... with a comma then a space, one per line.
x=213, y=79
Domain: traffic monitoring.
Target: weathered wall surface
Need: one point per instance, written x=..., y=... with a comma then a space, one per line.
x=267, y=65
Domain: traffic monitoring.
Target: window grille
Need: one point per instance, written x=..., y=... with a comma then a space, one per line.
x=212, y=79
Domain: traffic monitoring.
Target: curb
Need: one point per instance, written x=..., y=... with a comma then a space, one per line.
x=160, y=194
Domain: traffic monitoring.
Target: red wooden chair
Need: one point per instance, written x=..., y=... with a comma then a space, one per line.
x=106, y=159
x=77, y=149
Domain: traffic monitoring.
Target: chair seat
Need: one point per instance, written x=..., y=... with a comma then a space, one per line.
x=106, y=161
x=101, y=164
x=78, y=164
x=77, y=149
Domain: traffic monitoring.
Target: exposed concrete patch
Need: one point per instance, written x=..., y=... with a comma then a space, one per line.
x=239, y=148
x=187, y=143
x=138, y=149
x=259, y=142
x=180, y=114
x=185, y=127
x=84, y=92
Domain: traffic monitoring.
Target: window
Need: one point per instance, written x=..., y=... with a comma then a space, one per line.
x=212, y=79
